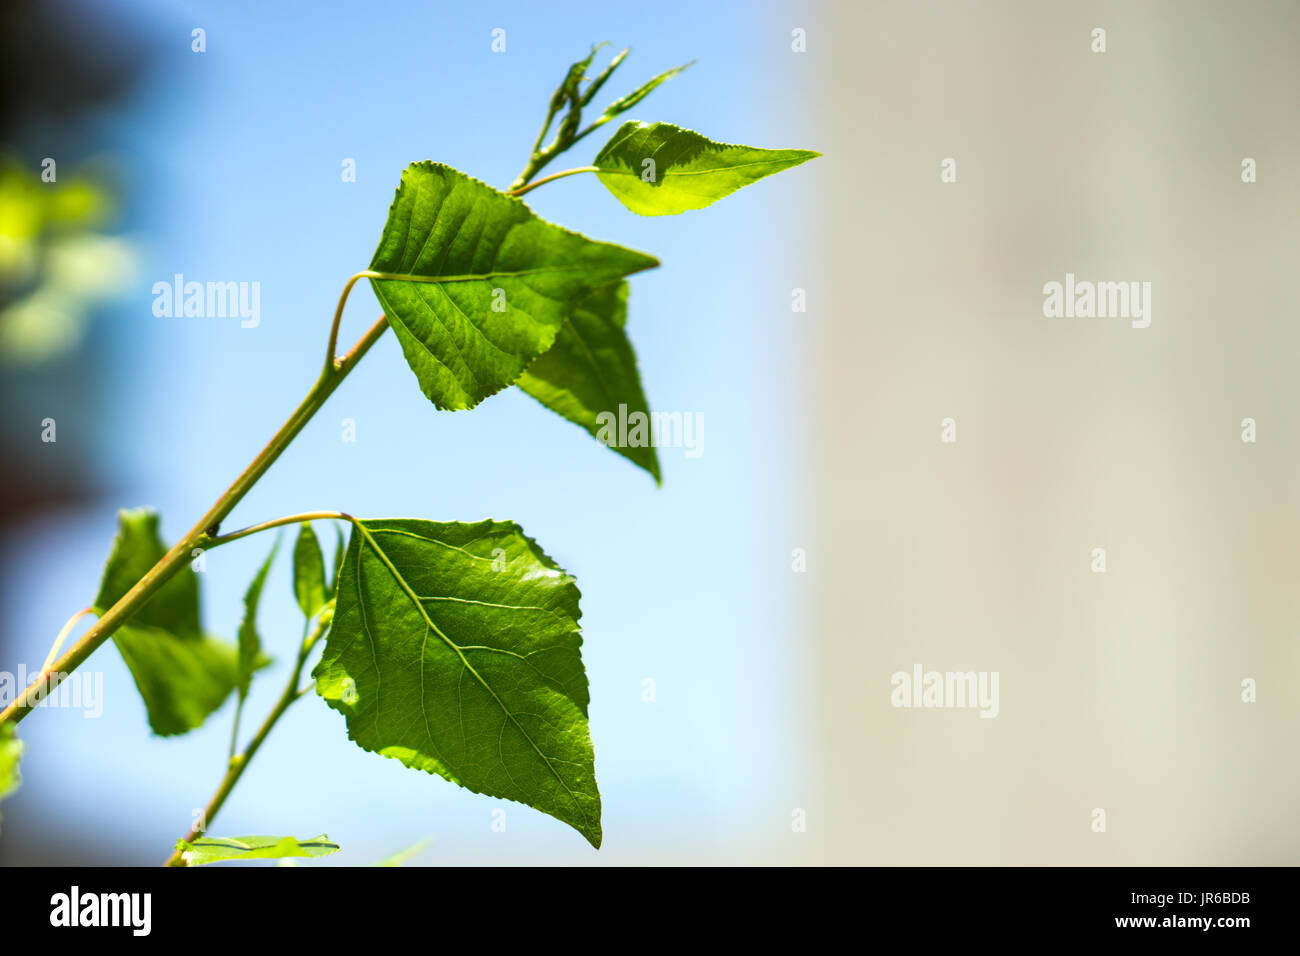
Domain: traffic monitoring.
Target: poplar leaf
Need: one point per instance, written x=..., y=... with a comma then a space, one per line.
x=591, y=370
x=136, y=549
x=594, y=86
x=11, y=751
x=182, y=673
x=625, y=103
x=455, y=650
x=657, y=169
x=308, y=571
x=182, y=679
x=476, y=286
x=225, y=849
x=339, y=545
x=250, y=641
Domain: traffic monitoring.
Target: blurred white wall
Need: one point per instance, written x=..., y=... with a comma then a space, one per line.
x=1118, y=690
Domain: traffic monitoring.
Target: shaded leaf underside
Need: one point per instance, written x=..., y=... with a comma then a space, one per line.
x=182, y=673
x=591, y=369
x=476, y=286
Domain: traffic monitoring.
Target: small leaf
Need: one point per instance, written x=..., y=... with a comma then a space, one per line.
x=339, y=545
x=182, y=673
x=476, y=286
x=594, y=86
x=11, y=751
x=455, y=650
x=401, y=856
x=625, y=103
x=250, y=642
x=657, y=169
x=224, y=849
x=568, y=90
x=591, y=370
x=308, y=571
x=578, y=71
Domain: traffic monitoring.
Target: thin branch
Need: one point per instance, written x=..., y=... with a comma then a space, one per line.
x=239, y=763
x=330, y=359
x=279, y=523
x=58, y=641
x=600, y=121
x=520, y=190
x=202, y=533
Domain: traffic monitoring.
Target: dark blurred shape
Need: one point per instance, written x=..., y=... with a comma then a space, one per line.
x=58, y=59
x=64, y=68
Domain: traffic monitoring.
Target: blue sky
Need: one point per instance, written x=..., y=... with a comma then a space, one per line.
x=234, y=159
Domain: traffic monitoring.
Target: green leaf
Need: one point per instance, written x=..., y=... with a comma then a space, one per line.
x=476, y=286
x=625, y=103
x=182, y=673
x=577, y=73
x=657, y=169
x=182, y=680
x=136, y=549
x=11, y=751
x=308, y=571
x=224, y=849
x=568, y=90
x=594, y=86
x=250, y=642
x=591, y=369
x=401, y=856
x=455, y=650
x=338, y=563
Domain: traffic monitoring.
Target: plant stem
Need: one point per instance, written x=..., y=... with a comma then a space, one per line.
x=279, y=523
x=330, y=359
x=202, y=535
x=58, y=641
x=239, y=762
x=534, y=166
x=520, y=190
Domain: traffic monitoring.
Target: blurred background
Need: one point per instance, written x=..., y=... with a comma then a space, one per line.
x=771, y=738
x=1120, y=691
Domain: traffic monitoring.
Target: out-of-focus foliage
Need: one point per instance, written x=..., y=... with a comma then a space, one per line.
x=56, y=260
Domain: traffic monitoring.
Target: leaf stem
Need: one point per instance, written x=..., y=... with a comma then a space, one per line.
x=330, y=359
x=202, y=534
x=520, y=190
x=239, y=762
x=234, y=730
x=279, y=523
x=58, y=641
